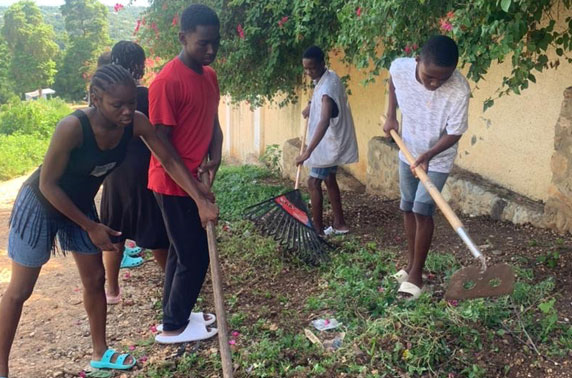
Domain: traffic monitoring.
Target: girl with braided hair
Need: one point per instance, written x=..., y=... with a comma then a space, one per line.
x=126, y=203
x=58, y=200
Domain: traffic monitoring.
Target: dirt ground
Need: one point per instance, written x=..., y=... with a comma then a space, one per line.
x=53, y=336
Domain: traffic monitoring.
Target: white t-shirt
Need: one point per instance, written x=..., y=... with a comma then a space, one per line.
x=428, y=115
x=339, y=144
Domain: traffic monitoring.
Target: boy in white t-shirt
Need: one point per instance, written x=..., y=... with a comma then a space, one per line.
x=433, y=98
x=331, y=139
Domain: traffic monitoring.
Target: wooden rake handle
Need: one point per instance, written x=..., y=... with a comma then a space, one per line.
x=299, y=169
x=216, y=277
x=439, y=200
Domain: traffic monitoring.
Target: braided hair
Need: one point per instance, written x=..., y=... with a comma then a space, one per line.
x=130, y=56
x=109, y=76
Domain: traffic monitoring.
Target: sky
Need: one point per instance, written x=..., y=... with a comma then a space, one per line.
x=143, y=3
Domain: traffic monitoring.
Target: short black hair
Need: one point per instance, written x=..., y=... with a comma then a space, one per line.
x=314, y=52
x=198, y=14
x=441, y=51
x=130, y=56
x=104, y=58
x=109, y=76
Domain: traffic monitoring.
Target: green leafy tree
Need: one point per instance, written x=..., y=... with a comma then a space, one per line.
x=87, y=28
x=6, y=85
x=32, y=46
x=262, y=41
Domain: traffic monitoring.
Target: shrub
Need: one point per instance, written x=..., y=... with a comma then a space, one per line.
x=20, y=153
x=32, y=117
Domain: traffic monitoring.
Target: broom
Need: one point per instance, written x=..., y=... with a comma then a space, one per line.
x=287, y=220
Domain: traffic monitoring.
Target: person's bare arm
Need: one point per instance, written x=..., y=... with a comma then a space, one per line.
x=215, y=152
x=67, y=136
x=391, y=117
x=158, y=140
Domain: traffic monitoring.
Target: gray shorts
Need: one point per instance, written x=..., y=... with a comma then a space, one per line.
x=414, y=196
x=33, y=230
x=323, y=173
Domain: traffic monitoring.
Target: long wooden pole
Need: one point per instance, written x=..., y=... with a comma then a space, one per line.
x=297, y=183
x=216, y=278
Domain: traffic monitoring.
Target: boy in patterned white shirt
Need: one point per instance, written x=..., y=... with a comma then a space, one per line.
x=433, y=98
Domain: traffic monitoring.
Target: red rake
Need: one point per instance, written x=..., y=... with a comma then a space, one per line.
x=287, y=220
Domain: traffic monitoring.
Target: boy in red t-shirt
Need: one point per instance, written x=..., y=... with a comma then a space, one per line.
x=183, y=105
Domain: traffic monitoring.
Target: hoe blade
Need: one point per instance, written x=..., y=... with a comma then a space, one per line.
x=471, y=282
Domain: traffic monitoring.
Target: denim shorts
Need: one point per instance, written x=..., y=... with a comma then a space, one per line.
x=414, y=196
x=33, y=230
x=323, y=173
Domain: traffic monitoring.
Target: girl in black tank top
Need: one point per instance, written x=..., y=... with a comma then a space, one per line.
x=58, y=200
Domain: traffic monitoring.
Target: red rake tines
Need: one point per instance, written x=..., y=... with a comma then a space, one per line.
x=286, y=219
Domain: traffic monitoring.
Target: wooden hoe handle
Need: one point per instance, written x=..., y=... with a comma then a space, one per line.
x=216, y=277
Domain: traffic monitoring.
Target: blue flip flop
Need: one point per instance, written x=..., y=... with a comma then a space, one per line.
x=132, y=251
x=130, y=262
x=119, y=364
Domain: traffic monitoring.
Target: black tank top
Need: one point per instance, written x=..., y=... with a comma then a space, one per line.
x=86, y=169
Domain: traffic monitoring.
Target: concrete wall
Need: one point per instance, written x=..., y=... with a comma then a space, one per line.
x=512, y=143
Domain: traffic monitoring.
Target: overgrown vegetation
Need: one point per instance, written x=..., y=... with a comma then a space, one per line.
x=384, y=335
x=25, y=131
x=262, y=42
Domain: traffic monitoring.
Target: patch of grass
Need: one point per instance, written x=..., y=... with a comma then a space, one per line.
x=238, y=187
x=385, y=336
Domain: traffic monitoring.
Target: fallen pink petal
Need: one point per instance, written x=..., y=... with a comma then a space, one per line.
x=127, y=275
x=232, y=342
x=454, y=302
x=153, y=329
x=82, y=374
x=235, y=333
x=131, y=347
x=358, y=11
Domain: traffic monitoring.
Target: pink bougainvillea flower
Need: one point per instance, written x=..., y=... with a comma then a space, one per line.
x=240, y=31
x=127, y=275
x=358, y=11
x=137, y=26
x=175, y=20
x=446, y=25
x=132, y=347
x=143, y=359
x=454, y=302
x=153, y=328
x=282, y=21
x=407, y=50
x=232, y=342
x=82, y=374
x=235, y=333
x=117, y=7
x=450, y=14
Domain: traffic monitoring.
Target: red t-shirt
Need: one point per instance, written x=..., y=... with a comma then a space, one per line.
x=188, y=102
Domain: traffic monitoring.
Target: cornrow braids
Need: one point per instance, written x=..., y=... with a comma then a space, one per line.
x=130, y=56
x=109, y=76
